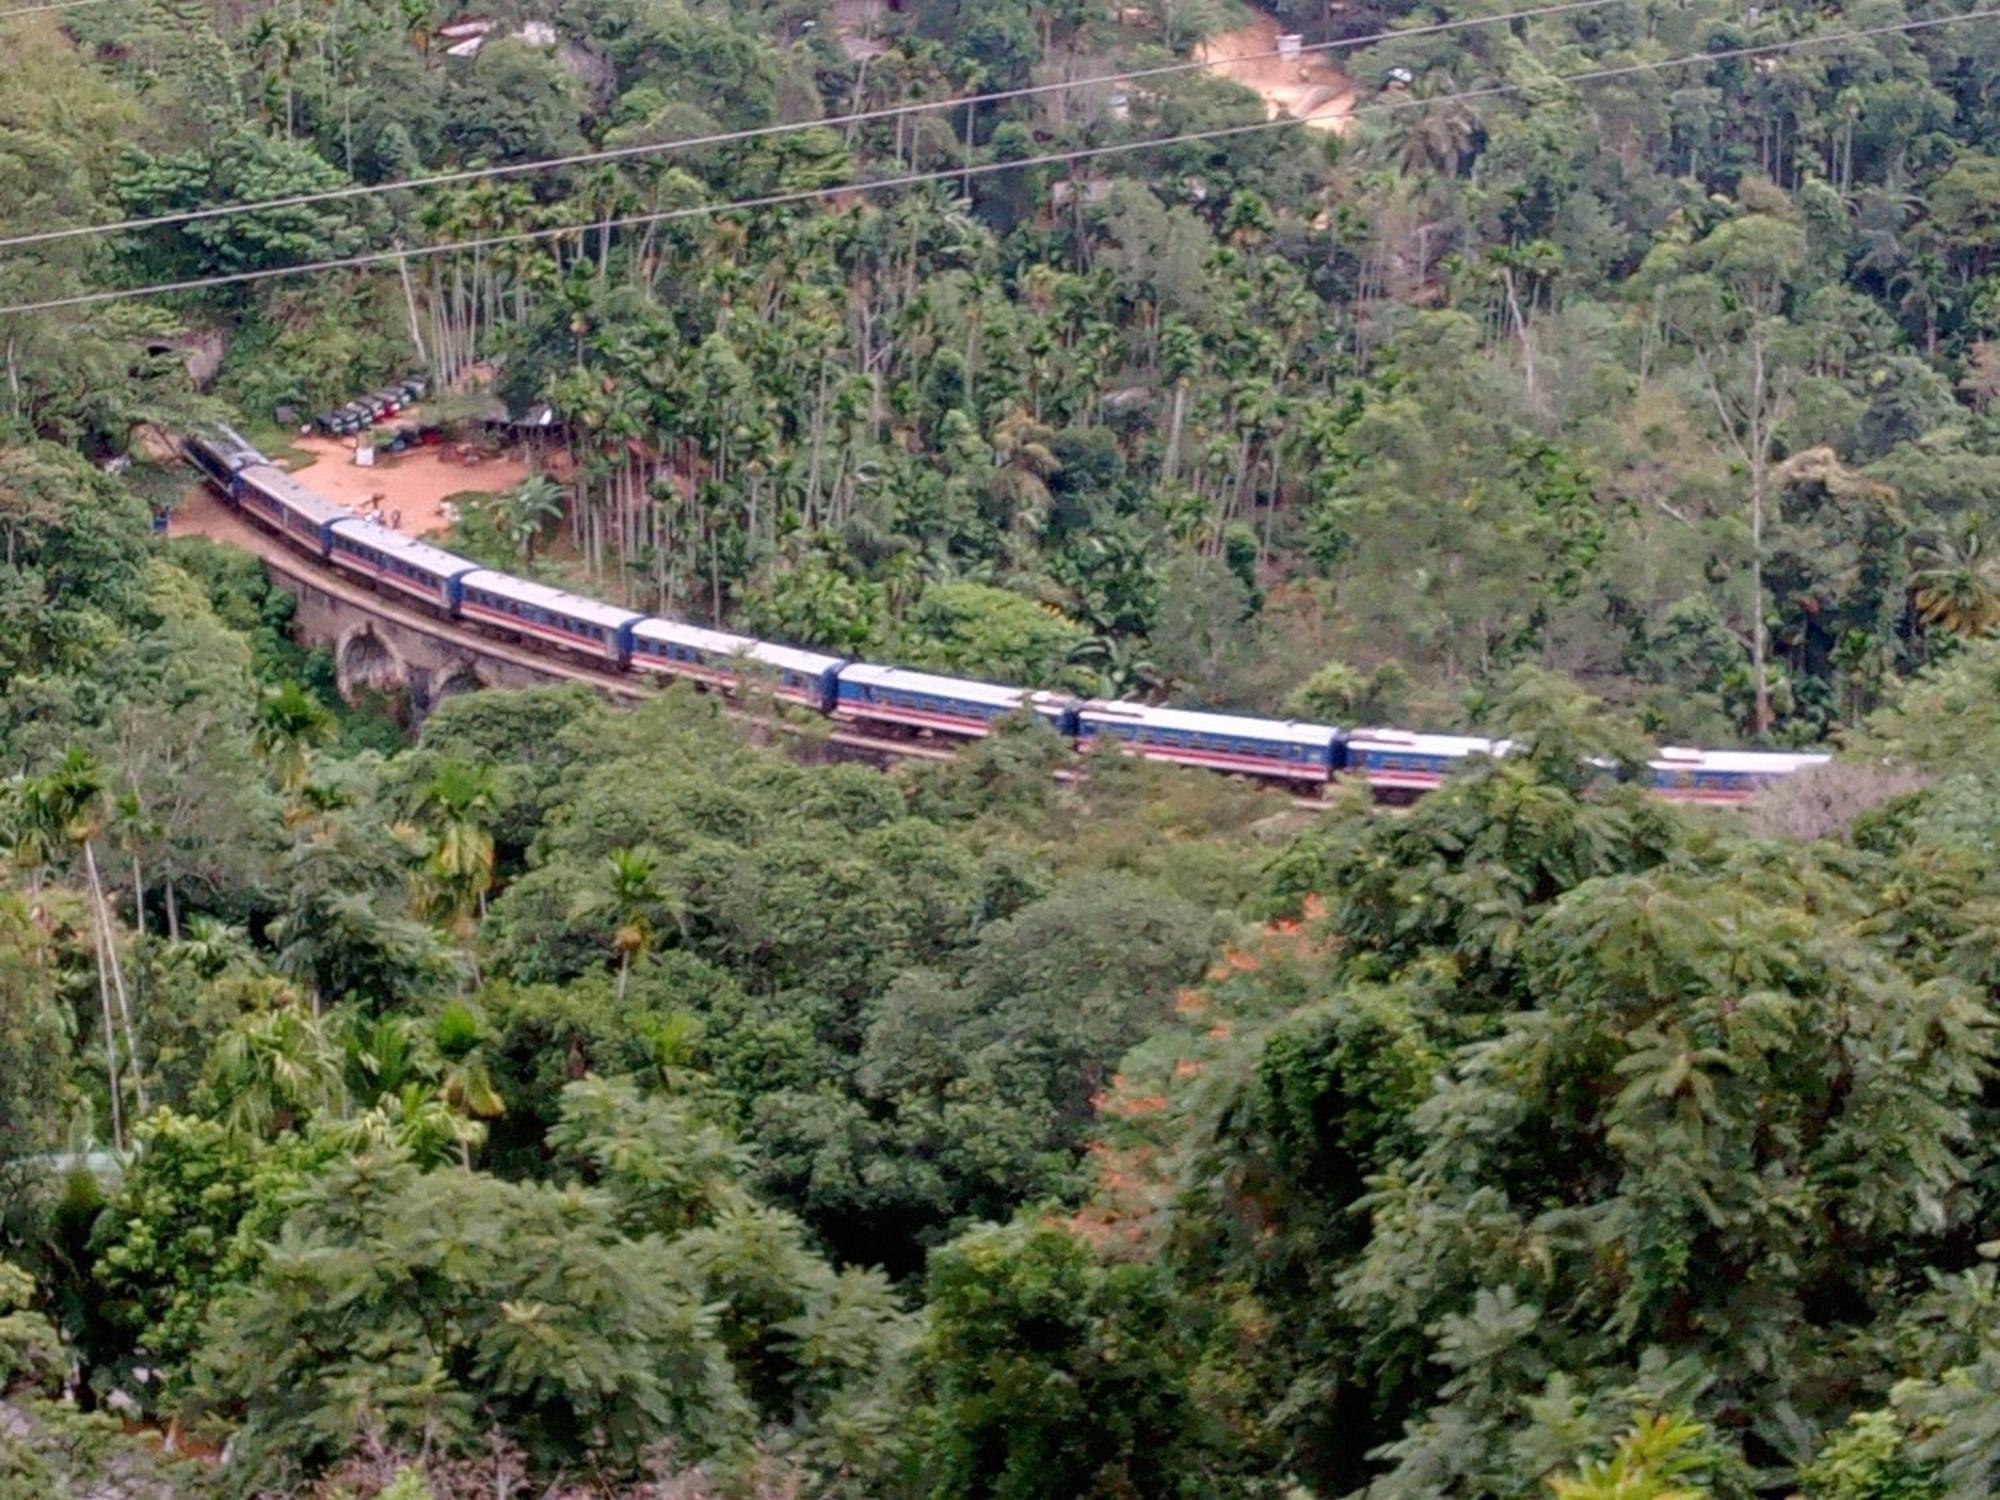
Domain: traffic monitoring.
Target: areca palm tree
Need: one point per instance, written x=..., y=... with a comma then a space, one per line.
x=1025, y=464
x=465, y=1076
x=71, y=802
x=633, y=899
x=428, y=1088
x=210, y=948
x=271, y=1071
x=1122, y=667
x=1925, y=287
x=1429, y=139
x=290, y=723
x=458, y=808
x=1957, y=588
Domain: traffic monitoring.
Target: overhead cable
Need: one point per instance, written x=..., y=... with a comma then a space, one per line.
x=983, y=169
x=760, y=132
x=36, y=10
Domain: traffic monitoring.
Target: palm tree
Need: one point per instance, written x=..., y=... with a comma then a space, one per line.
x=631, y=897
x=459, y=806
x=271, y=1071
x=290, y=722
x=1958, y=586
x=1025, y=463
x=73, y=802
x=428, y=1087
x=1121, y=666
x=1431, y=139
x=1925, y=284
x=31, y=834
x=526, y=511
x=465, y=1077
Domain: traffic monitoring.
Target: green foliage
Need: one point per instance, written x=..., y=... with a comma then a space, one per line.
x=71, y=574
x=34, y=1036
x=1650, y=1463
x=645, y=1301
x=183, y=1226
x=410, y=1301
x=1869, y=1460
x=1049, y=1374
x=1338, y=694
x=971, y=630
x=240, y=165
x=29, y=1348
x=533, y=1093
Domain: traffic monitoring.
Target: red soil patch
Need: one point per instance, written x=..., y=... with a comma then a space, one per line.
x=409, y=489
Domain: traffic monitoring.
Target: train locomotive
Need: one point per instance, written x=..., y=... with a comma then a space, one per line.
x=1396, y=764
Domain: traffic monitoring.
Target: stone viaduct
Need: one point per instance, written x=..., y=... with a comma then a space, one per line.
x=381, y=644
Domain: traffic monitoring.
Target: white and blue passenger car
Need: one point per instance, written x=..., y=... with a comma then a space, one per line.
x=1722, y=776
x=1219, y=742
x=720, y=659
x=534, y=609
x=283, y=502
x=395, y=561
x=943, y=705
x=1397, y=761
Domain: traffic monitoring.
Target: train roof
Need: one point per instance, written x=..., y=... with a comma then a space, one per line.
x=421, y=554
x=1764, y=762
x=963, y=688
x=542, y=596
x=226, y=439
x=1194, y=721
x=793, y=658
x=1456, y=746
x=720, y=642
x=288, y=490
x=727, y=643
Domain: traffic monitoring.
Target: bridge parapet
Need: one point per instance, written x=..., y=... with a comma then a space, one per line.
x=383, y=646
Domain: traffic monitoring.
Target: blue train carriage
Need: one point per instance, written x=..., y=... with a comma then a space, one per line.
x=1722, y=777
x=1291, y=752
x=714, y=657
x=415, y=568
x=281, y=501
x=732, y=662
x=533, y=609
x=811, y=678
x=942, y=705
x=1397, y=762
x=222, y=454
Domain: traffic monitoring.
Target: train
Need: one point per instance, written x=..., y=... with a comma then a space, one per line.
x=1307, y=758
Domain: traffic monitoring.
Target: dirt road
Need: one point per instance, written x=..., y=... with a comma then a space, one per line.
x=1312, y=89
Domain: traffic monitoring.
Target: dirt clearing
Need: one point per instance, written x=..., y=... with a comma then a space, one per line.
x=1311, y=89
x=410, y=488
x=407, y=491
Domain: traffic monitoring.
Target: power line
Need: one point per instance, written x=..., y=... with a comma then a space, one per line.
x=915, y=179
x=732, y=137
x=36, y=10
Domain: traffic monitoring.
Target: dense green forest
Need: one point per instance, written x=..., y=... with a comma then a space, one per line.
x=551, y=1098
